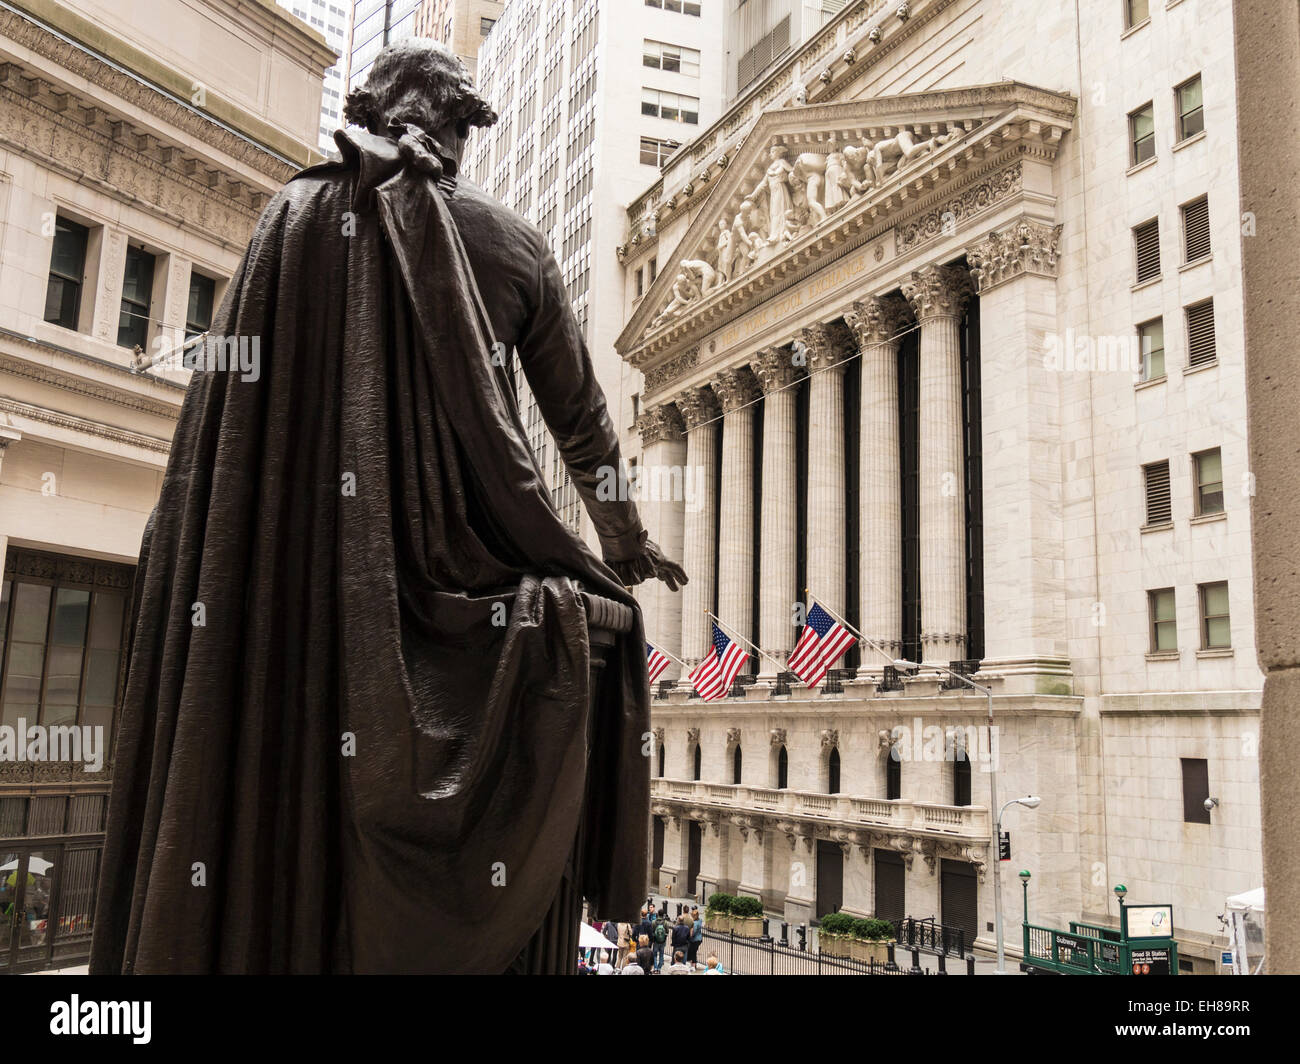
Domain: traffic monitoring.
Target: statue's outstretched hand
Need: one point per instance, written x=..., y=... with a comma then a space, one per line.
x=650, y=563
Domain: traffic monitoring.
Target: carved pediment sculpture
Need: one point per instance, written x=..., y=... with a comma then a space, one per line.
x=792, y=195
x=809, y=176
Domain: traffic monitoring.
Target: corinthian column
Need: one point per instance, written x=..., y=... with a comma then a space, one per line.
x=876, y=324
x=699, y=408
x=778, y=528
x=661, y=493
x=826, y=502
x=737, y=391
x=937, y=294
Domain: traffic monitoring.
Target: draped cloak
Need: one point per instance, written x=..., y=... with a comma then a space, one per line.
x=353, y=735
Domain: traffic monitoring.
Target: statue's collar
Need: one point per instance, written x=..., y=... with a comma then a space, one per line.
x=378, y=157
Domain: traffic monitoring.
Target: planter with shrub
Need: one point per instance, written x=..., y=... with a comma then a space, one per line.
x=717, y=912
x=747, y=916
x=860, y=938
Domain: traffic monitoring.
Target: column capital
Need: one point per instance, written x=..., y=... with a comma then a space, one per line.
x=1024, y=246
x=937, y=291
x=775, y=368
x=823, y=347
x=735, y=388
x=660, y=424
x=878, y=320
x=697, y=406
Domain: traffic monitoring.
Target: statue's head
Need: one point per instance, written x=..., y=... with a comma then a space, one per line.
x=421, y=82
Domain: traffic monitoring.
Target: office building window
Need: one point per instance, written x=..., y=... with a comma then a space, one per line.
x=1196, y=230
x=137, y=297
x=1191, y=113
x=198, y=313
x=1201, y=349
x=1216, y=626
x=1164, y=622
x=1209, y=481
x=656, y=152
x=670, y=57
x=682, y=7
x=1146, y=249
x=1196, y=790
x=670, y=105
x=1142, y=134
x=1151, y=337
x=1155, y=477
x=1136, y=12
x=67, y=274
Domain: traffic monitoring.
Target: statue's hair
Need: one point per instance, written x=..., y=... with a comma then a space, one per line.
x=421, y=82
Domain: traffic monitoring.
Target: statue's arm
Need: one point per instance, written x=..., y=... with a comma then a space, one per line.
x=558, y=368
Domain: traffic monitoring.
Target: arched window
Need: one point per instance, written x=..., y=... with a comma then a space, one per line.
x=697, y=762
x=960, y=777
x=782, y=769
x=735, y=765
x=894, y=774
x=833, y=771
x=661, y=760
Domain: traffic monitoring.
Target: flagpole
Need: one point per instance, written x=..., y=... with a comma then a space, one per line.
x=870, y=642
x=747, y=643
x=670, y=656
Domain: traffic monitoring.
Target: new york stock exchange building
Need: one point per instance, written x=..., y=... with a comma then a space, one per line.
x=939, y=326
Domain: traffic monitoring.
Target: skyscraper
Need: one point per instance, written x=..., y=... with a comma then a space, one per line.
x=333, y=18
x=594, y=96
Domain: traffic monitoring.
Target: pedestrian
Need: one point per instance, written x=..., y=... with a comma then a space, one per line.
x=644, y=954
x=660, y=939
x=697, y=935
x=631, y=967
x=713, y=967
x=646, y=926
x=605, y=968
x=681, y=936
x=679, y=965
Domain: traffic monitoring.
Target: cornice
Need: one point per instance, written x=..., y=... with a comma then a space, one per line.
x=86, y=426
x=279, y=159
x=71, y=382
x=222, y=210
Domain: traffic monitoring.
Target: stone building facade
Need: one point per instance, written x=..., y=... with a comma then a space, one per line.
x=129, y=186
x=951, y=343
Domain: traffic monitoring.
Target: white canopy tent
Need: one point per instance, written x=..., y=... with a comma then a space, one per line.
x=1245, y=918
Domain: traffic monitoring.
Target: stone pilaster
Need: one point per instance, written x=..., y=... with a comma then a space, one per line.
x=937, y=294
x=664, y=489
x=778, y=584
x=1025, y=623
x=737, y=392
x=826, y=353
x=876, y=325
x=699, y=410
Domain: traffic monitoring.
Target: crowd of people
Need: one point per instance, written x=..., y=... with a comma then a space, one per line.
x=655, y=945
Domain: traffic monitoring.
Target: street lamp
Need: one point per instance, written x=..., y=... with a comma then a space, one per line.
x=1030, y=801
x=1024, y=882
x=904, y=665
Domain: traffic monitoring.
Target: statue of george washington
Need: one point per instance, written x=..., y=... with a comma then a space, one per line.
x=359, y=732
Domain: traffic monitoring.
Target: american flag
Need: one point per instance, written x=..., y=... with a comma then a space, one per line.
x=656, y=661
x=712, y=677
x=821, y=644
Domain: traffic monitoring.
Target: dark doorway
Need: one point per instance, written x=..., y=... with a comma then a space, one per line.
x=830, y=878
x=782, y=769
x=891, y=884
x=958, y=897
x=694, y=841
x=833, y=772
x=735, y=765
x=657, y=854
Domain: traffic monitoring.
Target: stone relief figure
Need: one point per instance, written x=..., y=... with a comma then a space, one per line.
x=891, y=155
x=723, y=244
x=776, y=183
x=745, y=241
x=857, y=163
x=695, y=279
x=810, y=173
x=839, y=182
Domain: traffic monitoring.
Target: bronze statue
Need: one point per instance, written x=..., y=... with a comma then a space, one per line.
x=355, y=730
